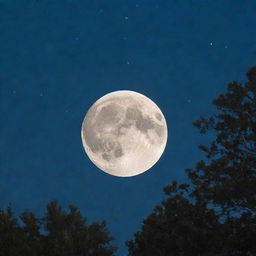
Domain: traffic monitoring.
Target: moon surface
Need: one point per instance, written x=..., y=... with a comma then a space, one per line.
x=124, y=133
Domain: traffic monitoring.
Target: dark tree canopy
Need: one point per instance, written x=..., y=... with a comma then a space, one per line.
x=59, y=233
x=216, y=214
x=177, y=227
x=228, y=178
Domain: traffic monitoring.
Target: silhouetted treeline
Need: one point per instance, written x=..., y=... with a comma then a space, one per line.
x=214, y=215
x=58, y=233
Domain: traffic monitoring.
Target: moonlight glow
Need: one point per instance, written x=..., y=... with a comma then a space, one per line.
x=124, y=133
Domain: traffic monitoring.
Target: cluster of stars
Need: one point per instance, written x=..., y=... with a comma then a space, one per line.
x=211, y=44
x=126, y=18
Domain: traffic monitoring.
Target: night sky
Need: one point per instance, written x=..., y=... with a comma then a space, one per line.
x=57, y=57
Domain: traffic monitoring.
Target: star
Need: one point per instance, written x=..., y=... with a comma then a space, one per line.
x=211, y=43
x=126, y=17
x=128, y=62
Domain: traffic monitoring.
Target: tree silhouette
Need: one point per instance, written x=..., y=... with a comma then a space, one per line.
x=216, y=214
x=228, y=178
x=58, y=233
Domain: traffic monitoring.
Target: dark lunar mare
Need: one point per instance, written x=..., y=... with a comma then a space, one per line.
x=108, y=115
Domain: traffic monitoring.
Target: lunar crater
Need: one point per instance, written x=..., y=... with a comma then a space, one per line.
x=158, y=116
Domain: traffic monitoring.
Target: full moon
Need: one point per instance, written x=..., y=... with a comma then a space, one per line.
x=124, y=133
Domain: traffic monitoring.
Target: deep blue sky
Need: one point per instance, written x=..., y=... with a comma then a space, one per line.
x=58, y=57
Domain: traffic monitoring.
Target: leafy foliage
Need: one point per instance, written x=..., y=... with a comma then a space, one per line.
x=59, y=233
x=188, y=222
x=229, y=180
x=177, y=227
